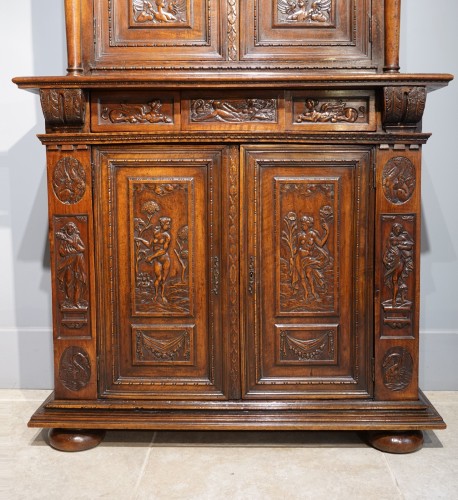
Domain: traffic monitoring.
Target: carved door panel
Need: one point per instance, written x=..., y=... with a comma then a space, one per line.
x=160, y=256
x=325, y=33
x=308, y=277
x=148, y=33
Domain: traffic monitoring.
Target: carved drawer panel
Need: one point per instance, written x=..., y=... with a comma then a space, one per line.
x=249, y=111
x=136, y=111
x=326, y=111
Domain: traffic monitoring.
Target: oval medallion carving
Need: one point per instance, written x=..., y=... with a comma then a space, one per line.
x=398, y=180
x=397, y=369
x=69, y=180
x=75, y=368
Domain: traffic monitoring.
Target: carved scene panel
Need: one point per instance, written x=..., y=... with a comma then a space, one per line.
x=306, y=231
x=162, y=234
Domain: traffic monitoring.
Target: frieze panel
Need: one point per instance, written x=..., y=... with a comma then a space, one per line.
x=69, y=180
x=307, y=236
x=74, y=368
x=150, y=112
x=397, y=369
x=398, y=180
x=71, y=271
x=317, y=111
x=162, y=233
x=234, y=110
x=398, y=256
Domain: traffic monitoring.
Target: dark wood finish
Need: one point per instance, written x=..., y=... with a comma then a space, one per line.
x=396, y=442
x=75, y=439
x=234, y=212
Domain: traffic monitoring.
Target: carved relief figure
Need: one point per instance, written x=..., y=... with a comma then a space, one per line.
x=161, y=257
x=399, y=180
x=301, y=11
x=159, y=11
x=397, y=369
x=71, y=267
x=306, y=277
x=399, y=263
x=241, y=110
x=74, y=368
x=136, y=113
x=69, y=180
x=329, y=112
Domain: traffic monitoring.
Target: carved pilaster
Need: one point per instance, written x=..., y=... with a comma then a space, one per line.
x=403, y=107
x=63, y=108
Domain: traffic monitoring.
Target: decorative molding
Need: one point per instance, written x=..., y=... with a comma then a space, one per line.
x=215, y=275
x=63, y=108
x=69, y=180
x=397, y=369
x=251, y=275
x=232, y=18
x=234, y=110
x=398, y=180
x=403, y=107
x=74, y=368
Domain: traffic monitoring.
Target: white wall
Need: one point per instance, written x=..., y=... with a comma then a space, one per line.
x=32, y=42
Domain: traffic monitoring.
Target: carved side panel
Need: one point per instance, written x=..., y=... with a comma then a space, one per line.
x=74, y=368
x=71, y=270
x=63, y=108
x=161, y=234
x=399, y=261
x=307, y=235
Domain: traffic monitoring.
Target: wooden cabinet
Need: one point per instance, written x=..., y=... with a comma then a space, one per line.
x=234, y=209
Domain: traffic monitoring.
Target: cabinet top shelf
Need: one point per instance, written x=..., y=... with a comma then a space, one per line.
x=235, y=79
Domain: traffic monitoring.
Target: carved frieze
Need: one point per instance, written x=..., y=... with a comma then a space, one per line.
x=398, y=180
x=397, y=369
x=307, y=12
x=234, y=110
x=403, y=106
x=63, y=108
x=162, y=345
x=398, y=258
x=74, y=368
x=162, y=229
x=159, y=12
x=149, y=112
x=317, y=111
x=71, y=269
x=307, y=237
x=69, y=180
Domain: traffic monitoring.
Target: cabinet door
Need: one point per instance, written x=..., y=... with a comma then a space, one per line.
x=307, y=272
x=159, y=256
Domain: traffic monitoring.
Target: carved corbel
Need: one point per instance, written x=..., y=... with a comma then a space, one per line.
x=63, y=108
x=403, y=107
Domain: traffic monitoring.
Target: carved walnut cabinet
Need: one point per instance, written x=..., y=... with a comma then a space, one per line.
x=234, y=214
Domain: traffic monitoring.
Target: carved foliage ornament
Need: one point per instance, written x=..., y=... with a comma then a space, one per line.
x=159, y=11
x=234, y=110
x=63, y=107
x=69, y=180
x=75, y=368
x=308, y=12
x=397, y=369
x=398, y=180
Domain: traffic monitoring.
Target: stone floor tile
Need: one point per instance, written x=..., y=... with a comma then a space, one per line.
x=24, y=395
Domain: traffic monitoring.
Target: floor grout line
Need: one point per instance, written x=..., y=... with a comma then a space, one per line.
x=393, y=476
x=143, y=467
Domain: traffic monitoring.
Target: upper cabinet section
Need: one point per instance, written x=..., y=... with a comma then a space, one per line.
x=113, y=35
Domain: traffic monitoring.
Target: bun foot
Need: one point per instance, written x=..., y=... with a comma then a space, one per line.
x=395, y=442
x=75, y=439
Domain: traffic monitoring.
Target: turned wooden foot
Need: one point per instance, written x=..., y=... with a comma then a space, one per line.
x=395, y=442
x=75, y=439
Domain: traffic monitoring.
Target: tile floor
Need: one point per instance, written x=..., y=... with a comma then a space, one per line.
x=222, y=465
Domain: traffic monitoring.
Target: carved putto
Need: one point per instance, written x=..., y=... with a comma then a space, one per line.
x=304, y=11
x=234, y=110
x=159, y=11
x=332, y=112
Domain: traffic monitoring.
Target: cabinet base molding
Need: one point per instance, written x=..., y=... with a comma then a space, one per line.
x=75, y=439
x=321, y=415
